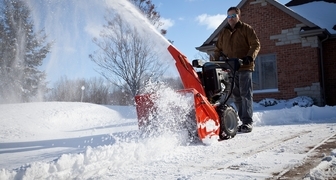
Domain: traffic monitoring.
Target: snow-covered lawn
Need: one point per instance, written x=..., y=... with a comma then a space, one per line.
x=63, y=140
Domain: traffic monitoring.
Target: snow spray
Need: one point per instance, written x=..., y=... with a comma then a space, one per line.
x=72, y=25
x=172, y=109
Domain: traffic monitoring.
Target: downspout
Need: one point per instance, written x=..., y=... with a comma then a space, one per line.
x=322, y=69
x=319, y=32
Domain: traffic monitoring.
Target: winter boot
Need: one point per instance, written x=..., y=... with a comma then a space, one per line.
x=245, y=128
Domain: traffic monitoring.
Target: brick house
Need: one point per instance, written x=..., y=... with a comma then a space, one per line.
x=297, y=56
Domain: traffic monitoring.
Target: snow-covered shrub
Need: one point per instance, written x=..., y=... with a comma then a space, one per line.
x=302, y=101
x=268, y=102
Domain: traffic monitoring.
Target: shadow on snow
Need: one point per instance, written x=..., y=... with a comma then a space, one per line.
x=79, y=142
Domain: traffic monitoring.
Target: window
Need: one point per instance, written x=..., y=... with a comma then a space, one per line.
x=265, y=74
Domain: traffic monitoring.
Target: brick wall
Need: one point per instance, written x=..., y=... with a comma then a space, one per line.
x=297, y=58
x=329, y=59
x=313, y=91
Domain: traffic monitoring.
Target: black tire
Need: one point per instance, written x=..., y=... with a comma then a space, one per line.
x=228, y=122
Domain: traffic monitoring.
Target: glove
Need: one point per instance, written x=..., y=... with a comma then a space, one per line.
x=247, y=60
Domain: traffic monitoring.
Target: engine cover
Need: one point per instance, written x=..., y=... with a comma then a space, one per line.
x=215, y=80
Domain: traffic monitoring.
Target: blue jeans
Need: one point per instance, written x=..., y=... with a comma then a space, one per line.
x=243, y=96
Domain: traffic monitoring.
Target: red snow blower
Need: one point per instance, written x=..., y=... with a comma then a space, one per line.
x=212, y=116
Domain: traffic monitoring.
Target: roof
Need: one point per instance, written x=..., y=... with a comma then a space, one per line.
x=323, y=13
x=300, y=2
x=313, y=15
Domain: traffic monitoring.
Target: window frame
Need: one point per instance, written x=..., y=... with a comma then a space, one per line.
x=258, y=64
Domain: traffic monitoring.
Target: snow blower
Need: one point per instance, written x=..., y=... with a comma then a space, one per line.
x=212, y=117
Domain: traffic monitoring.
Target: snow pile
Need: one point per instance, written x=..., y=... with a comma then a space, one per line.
x=117, y=158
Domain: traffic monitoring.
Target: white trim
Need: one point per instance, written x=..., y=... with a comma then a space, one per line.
x=266, y=91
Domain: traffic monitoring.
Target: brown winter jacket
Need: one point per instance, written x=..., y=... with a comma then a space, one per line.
x=240, y=42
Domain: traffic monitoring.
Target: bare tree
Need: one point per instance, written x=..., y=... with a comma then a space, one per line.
x=119, y=97
x=94, y=90
x=173, y=82
x=98, y=91
x=125, y=56
x=67, y=90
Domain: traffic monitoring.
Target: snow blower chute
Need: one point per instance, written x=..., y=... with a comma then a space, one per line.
x=211, y=87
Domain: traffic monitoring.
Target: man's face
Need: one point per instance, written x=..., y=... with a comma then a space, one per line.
x=232, y=17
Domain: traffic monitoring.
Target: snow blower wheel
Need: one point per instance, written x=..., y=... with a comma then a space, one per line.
x=228, y=123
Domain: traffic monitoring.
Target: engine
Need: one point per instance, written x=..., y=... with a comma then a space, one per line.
x=215, y=80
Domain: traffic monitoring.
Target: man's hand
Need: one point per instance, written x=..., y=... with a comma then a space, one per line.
x=247, y=60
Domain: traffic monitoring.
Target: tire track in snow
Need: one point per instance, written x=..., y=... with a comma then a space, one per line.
x=232, y=165
x=312, y=159
x=242, y=162
x=234, y=157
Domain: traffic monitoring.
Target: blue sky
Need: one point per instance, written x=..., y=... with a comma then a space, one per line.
x=72, y=24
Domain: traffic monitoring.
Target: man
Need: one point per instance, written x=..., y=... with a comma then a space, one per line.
x=239, y=40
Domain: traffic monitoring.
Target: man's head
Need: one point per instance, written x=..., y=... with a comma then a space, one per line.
x=233, y=16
